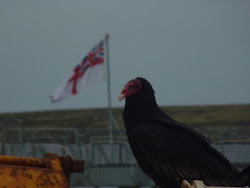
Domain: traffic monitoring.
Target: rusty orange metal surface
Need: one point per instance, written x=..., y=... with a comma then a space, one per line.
x=51, y=171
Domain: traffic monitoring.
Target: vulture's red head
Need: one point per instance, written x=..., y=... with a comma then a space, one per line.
x=131, y=88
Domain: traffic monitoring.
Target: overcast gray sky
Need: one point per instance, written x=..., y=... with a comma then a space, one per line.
x=193, y=52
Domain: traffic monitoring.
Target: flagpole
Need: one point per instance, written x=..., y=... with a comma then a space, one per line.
x=109, y=90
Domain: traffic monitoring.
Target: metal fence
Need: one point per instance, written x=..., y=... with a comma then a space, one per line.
x=107, y=164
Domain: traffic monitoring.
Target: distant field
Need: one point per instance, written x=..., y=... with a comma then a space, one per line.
x=219, y=116
x=196, y=116
x=223, y=118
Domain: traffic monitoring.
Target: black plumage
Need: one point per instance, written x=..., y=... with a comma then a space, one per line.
x=168, y=151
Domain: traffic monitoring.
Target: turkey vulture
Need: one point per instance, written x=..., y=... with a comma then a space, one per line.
x=168, y=151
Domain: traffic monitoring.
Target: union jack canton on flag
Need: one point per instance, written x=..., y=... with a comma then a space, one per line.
x=88, y=72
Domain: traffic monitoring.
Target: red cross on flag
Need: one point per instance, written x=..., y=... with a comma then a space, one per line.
x=88, y=72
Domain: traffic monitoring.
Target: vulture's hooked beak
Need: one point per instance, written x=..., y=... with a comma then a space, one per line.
x=121, y=96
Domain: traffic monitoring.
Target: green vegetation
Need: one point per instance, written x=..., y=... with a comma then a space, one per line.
x=196, y=116
x=212, y=116
x=220, y=123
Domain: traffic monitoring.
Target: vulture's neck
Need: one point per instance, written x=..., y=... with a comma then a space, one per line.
x=141, y=107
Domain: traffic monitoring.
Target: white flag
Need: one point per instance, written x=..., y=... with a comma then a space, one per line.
x=88, y=72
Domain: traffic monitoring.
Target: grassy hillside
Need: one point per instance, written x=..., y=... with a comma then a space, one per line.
x=216, y=122
x=196, y=116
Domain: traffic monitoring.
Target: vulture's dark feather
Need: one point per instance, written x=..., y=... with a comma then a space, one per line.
x=168, y=151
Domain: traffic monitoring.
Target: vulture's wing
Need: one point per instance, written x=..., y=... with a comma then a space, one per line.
x=169, y=152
